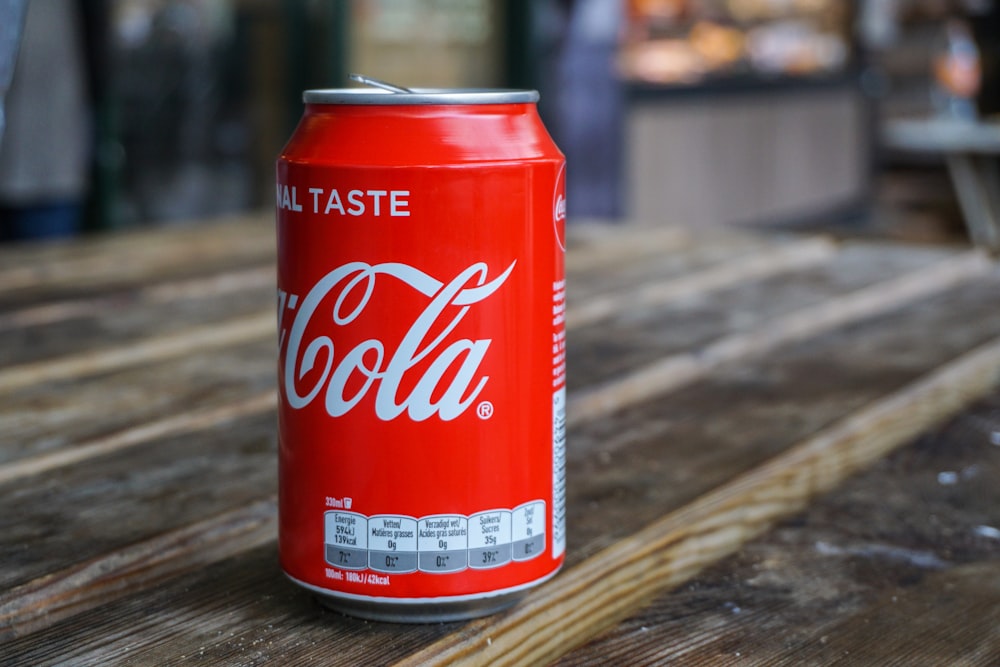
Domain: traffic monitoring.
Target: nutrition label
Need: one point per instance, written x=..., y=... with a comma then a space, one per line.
x=559, y=418
x=440, y=543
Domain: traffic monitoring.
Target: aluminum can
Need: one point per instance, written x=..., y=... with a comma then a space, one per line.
x=421, y=372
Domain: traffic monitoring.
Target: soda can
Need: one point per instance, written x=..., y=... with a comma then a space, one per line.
x=421, y=371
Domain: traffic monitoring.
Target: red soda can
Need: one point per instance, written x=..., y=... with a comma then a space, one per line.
x=421, y=372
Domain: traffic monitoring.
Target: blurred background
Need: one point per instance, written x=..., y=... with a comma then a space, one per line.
x=121, y=113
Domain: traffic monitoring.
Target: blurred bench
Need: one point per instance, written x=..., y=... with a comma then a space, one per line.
x=972, y=152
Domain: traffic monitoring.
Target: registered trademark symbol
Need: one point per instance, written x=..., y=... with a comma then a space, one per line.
x=484, y=410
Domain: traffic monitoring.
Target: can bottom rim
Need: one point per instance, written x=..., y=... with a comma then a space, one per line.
x=422, y=610
x=432, y=612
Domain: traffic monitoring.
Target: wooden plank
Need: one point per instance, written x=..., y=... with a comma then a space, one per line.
x=595, y=246
x=624, y=471
x=897, y=566
x=653, y=266
x=77, y=325
x=137, y=257
x=682, y=327
x=148, y=461
x=765, y=263
x=75, y=513
x=947, y=618
x=658, y=455
x=205, y=287
x=121, y=317
x=78, y=412
x=121, y=320
x=82, y=267
x=43, y=419
x=212, y=298
x=62, y=594
x=633, y=338
x=183, y=423
x=240, y=611
x=38, y=333
x=854, y=265
x=678, y=369
x=607, y=587
x=81, y=270
x=158, y=348
x=952, y=618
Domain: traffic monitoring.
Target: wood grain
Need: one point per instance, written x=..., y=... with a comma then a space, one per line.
x=141, y=531
x=638, y=464
x=625, y=471
x=634, y=338
x=765, y=263
x=951, y=618
x=72, y=514
x=133, y=257
x=171, y=426
x=124, y=325
x=651, y=265
x=65, y=411
x=900, y=540
x=596, y=246
x=207, y=287
x=44, y=418
x=876, y=357
x=607, y=587
x=679, y=369
x=157, y=348
x=59, y=595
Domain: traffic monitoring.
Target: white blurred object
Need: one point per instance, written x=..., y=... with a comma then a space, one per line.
x=794, y=47
x=12, y=12
x=878, y=23
x=45, y=152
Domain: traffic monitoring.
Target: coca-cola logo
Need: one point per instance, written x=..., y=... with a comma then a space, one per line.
x=559, y=207
x=342, y=295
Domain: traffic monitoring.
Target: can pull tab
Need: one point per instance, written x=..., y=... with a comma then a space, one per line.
x=377, y=83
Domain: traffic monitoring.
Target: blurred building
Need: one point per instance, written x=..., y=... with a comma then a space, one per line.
x=744, y=111
x=694, y=112
x=207, y=91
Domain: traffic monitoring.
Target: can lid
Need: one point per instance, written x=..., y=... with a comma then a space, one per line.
x=415, y=96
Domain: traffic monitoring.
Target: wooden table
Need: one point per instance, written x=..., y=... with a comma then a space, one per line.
x=971, y=151
x=723, y=389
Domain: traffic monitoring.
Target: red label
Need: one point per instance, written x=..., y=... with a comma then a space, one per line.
x=421, y=377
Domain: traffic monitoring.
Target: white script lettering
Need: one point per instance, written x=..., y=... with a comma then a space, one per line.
x=354, y=283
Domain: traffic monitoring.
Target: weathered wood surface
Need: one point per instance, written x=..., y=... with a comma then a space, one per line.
x=717, y=385
x=900, y=565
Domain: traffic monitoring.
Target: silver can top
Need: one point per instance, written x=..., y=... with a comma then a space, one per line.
x=419, y=96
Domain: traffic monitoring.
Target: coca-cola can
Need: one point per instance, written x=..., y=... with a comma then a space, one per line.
x=421, y=372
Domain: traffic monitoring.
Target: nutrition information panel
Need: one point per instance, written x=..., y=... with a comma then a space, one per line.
x=440, y=543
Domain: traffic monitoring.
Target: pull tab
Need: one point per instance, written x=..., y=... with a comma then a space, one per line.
x=377, y=83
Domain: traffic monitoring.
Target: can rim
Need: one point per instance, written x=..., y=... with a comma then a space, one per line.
x=422, y=96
